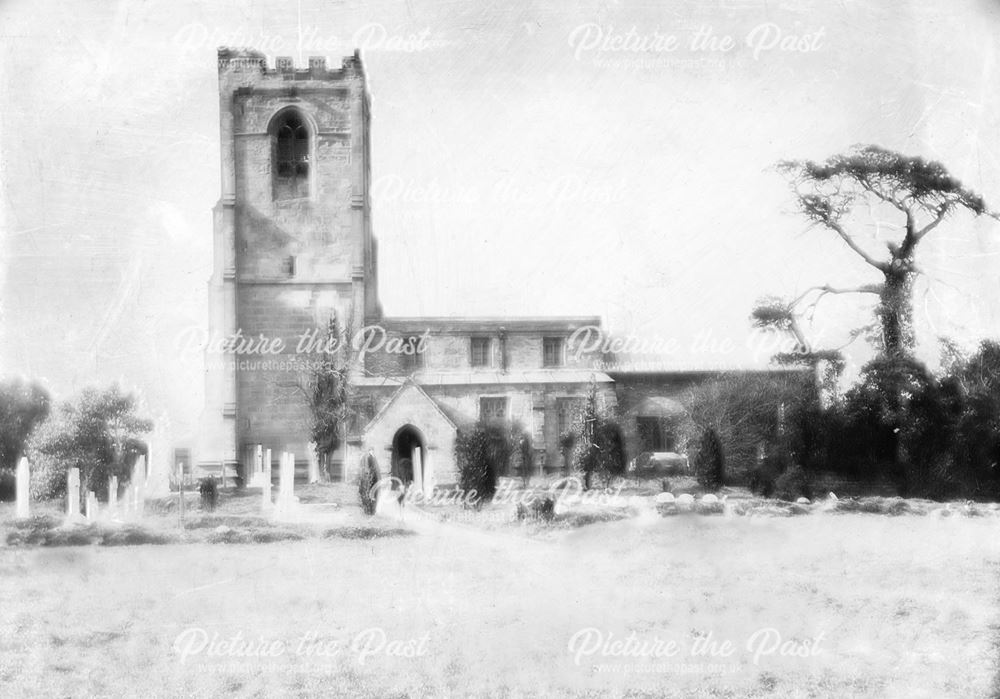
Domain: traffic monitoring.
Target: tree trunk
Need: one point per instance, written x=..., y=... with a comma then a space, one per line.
x=895, y=310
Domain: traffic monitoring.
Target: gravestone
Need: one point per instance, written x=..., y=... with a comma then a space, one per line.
x=73, y=494
x=260, y=470
x=313, y=463
x=113, y=495
x=416, y=458
x=428, y=475
x=265, y=482
x=91, y=504
x=138, y=484
x=285, y=506
x=23, y=492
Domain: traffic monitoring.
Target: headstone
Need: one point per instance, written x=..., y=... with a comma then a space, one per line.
x=428, y=475
x=709, y=499
x=417, y=461
x=286, y=486
x=685, y=499
x=832, y=496
x=139, y=481
x=265, y=485
x=23, y=492
x=313, y=463
x=802, y=501
x=91, y=511
x=73, y=494
x=113, y=494
x=664, y=498
x=257, y=468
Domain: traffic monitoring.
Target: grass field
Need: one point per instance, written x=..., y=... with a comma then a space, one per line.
x=878, y=606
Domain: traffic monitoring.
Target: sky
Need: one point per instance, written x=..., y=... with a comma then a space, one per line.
x=606, y=158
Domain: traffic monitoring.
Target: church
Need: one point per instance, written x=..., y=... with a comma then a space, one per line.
x=294, y=246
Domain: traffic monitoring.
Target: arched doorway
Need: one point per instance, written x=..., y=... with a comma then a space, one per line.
x=407, y=438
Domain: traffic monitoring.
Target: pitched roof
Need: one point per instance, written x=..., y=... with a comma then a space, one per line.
x=407, y=384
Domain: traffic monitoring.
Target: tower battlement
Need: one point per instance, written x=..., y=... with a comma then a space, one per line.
x=245, y=60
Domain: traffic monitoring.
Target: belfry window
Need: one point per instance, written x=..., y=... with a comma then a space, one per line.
x=291, y=158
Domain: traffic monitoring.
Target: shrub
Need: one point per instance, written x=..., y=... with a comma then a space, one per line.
x=482, y=452
x=760, y=481
x=8, y=486
x=209, y=491
x=792, y=484
x=543, y=509
x=709, y=463
x=367, y=480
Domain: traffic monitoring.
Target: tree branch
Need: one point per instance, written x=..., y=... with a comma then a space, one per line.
x=839, y=230
x=942, y=212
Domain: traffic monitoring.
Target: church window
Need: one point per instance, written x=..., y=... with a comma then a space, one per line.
x=291, y=158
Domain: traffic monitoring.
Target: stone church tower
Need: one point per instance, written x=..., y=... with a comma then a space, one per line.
x=293, y=241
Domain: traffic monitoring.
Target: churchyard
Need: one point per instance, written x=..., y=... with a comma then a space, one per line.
x=683, y=595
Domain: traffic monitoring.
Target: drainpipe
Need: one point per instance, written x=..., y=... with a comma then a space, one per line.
x=503, y=350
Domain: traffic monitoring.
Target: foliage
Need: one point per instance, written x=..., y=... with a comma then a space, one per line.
x=368, y=478
x=792, y=484
x=209, y=491
x=919, y=194
x=99, y=433
x=329, y=392
x=541, y=509
x=598, y=447
x=933, y=436
x=709, y=461
x=743, y=410
x=23, y=406
x=482, y=452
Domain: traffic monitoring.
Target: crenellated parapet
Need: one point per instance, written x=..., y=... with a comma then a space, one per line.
x=253, y=62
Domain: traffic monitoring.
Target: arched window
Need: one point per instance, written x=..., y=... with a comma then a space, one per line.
x=291, y=158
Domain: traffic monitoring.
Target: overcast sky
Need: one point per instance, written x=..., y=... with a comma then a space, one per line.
x=526, y=161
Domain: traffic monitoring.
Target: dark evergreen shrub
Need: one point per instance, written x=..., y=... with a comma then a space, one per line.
x=792, y=484
x=709, y=462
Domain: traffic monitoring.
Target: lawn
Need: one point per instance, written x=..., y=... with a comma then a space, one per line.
x=832, y=605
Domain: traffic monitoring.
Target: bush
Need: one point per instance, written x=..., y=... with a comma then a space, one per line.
x=8, y=486
x=209, y=491
x=367, y=480
x=709, y=463
x=482, y=452
x=760, y=481
x=543, y=509
x=792, y=484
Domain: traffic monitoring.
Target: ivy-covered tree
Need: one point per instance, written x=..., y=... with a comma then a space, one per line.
x=328, y=392
x=916, y=194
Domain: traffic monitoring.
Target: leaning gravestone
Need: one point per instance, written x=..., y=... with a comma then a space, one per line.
x=22, y=488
